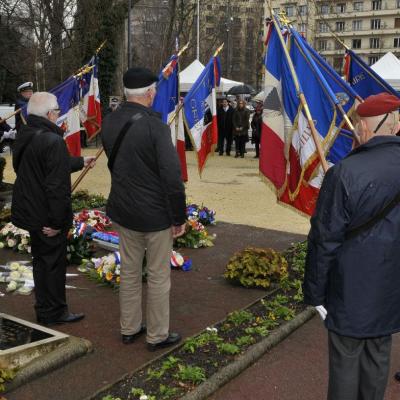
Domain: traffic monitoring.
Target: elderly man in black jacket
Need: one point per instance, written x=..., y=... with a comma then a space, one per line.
x=146, y=204
x=42, y=203
x=352, y=270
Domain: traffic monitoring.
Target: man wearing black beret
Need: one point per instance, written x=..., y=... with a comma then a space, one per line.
x=352, y=269
x=146, y=204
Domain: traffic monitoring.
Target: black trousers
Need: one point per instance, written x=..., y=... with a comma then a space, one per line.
x=49, y=269
x=257, y=146
x=240, y=144
x=222, y=138
x=358, y=368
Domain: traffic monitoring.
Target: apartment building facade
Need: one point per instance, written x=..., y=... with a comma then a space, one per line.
x=371, y=27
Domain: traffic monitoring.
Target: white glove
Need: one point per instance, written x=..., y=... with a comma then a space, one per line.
x=9, y=135
x=322, y=312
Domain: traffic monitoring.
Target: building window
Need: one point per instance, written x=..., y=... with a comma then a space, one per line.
x=338, y=45
x=209, y=31
x=396, y=42
x=375, y=23
x=374, y=43
x=322, y=45
x=209, y=6
x=236, y=9
x=337, y=64
x=341, y=8
x=372, y=60
x=209, y=18
x=324, y=9
x=302, y=28
x=377, y=5
x=357, y=25
x=323, y=27
x=290, y=11
x=356, y=44
x=397, y=22
x=277, y=10
x=303, y=10
x=398, y=3
x=340, y=26
x=358, y=6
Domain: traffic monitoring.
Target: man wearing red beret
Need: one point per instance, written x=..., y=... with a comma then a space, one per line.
x=352, y=274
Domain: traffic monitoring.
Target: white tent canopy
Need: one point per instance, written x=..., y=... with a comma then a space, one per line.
x=189, y=75
x=388, y=67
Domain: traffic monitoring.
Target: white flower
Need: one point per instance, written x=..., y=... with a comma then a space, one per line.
x=28, y=249
x=11, y=286
x=1, y=245
x=14, y=266
x=212, y=330
x=15, y=275
x=24, y=240
x=11, y=242
x=21, y=247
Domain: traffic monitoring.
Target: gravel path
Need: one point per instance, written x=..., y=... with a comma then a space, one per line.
x=231, y=186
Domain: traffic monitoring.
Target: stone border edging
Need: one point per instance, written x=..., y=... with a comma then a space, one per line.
x=254, y=352
x=70, y=350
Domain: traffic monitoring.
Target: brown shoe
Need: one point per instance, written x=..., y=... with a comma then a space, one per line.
x=172, y=339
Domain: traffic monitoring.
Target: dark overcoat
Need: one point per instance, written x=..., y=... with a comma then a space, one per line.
x=357, y=279
x=42, y=190
x=147, y=193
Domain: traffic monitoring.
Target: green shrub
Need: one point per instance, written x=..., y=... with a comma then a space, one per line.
x=81, y=199
x=253, y=267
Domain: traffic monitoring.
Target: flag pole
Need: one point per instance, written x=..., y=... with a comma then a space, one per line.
x=300, y=94
x=10, y=116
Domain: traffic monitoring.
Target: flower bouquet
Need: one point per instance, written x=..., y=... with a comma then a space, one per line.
x=95, y=219
x=19, y=276
x=196, y=236
x=14, y=238
x=202, y=214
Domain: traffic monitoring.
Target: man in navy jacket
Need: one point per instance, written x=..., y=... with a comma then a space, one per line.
x=352, y=274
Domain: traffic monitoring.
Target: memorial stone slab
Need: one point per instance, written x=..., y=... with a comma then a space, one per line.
x=22, y=341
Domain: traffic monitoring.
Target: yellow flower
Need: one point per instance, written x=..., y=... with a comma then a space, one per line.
x=118, y=279
x=109, y=276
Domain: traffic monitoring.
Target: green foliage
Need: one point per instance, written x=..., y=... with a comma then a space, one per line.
x=167, y=392
x=228, y=348
x=277, y=310
x=296, y=256
x=191, y=374
x=257, y=330
x=109, y=397
x=169, y=363
x=244, y=341
x=6, y=375
x=192, y=344
x=253, y=267
x=83, y=200
x=240, y=317
x=140, y=392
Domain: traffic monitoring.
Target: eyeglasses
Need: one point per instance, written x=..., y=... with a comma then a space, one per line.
x=55, y=110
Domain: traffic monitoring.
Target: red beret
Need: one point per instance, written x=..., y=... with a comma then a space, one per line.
x=378, y=104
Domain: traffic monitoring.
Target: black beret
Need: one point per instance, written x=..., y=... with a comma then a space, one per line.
x=138, y=77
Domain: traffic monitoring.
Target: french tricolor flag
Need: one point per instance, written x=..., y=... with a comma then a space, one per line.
x=200, y=109
x=68, y=100
x=90, y=109
x=167, y=104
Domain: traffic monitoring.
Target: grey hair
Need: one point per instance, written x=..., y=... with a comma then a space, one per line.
x=41, y=103
x=139, y=92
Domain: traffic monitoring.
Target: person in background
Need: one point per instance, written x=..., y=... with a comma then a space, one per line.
x=7, y=135
x=147, y=206
x=256, y=126
x=41, y=203
x=224, y=118
x=25, y=91
x=240, y=123
x=352, y=269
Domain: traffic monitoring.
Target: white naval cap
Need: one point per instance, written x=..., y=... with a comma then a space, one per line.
x=25, y=86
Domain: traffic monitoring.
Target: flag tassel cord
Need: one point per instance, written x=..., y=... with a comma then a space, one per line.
x=302, y=98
